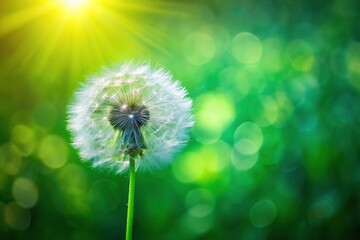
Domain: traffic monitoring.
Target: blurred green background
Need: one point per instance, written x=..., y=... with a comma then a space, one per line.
x=275, y=150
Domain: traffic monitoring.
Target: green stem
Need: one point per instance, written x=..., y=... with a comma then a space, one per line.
x=130, y=212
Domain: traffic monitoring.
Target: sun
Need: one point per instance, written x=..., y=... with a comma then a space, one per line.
x=74, y=5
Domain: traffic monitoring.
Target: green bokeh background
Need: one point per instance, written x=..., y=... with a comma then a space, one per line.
x=275, y=150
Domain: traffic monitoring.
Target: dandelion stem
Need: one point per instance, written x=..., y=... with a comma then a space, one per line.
x=130, y=211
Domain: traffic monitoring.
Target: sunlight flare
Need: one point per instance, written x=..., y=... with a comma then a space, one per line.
x=74, y=5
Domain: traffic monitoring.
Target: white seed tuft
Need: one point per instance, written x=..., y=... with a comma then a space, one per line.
x=152, y=102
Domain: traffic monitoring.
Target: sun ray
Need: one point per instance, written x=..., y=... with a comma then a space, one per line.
x=18, y=19
x=67, y=37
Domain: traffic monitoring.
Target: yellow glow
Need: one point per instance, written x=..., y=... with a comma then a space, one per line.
x=74, y=36
x=74, y=4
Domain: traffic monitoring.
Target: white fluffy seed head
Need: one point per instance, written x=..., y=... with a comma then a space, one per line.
x=130, y=111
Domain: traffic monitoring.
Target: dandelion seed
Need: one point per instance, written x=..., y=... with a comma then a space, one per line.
x=131, y=111
x=130, y=117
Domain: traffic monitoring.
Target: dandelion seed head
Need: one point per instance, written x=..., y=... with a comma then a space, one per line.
x=130, y=111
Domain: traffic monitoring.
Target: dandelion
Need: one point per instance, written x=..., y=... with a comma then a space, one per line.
x=130, y=117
